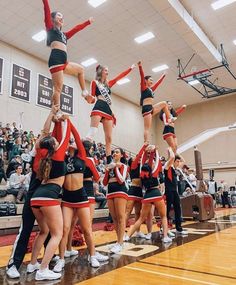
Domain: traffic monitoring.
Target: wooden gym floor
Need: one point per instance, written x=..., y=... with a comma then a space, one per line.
x=206, y=256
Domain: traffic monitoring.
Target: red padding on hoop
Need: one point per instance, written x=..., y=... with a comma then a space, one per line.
x=194, y=73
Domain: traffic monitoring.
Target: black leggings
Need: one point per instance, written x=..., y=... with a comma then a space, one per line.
x=172, y=197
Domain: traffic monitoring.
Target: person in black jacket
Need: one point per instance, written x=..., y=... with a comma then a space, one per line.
x=2, y=171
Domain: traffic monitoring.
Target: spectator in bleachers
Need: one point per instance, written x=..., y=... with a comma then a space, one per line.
x=16, y=149
x=2, y=171
x=13, y=164
x=25, y=142
x=100, y=195
x=2, y=143
x=26, y=159
x=17, y=184
x=9, y=146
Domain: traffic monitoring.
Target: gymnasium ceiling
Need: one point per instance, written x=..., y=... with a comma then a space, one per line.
x=111, y=38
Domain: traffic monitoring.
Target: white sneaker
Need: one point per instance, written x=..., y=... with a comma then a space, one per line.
x=100, y=257
x=170, y=234
x=69, y=253
x=183, y=232
x=140, y=235
x=148, y=236
x=47, y=274
x=32, y=267
x=55, y=258
x=126, y=238
x=117, y=248
x=59, y=265
x=12, y=272
x=166, y=239
x=93, y=261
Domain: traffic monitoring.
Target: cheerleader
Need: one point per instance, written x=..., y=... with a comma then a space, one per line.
x=57, y=41
x=101, y=89
x=169, y=128
x=149, y=109
x=115, y=176
x=135, y=192
x=45, y=201
x=150, y=168
x=75, y=201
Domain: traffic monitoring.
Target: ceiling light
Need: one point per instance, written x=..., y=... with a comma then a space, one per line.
x=144, y=37
x=193, y=82
x=221, y=3
x=96, y=3
x=40, y=36
x=234, y=42
x=89, y=62
x=160, y=68
x=123, y=81
x=193, y=25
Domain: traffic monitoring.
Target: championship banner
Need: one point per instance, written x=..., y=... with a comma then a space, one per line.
x=20, y=86
x=1, y=74
x=44, y=91
x=67, y=104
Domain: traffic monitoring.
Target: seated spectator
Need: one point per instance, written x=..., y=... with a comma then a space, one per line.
x=17, y=184
x=101, y=166
x=9, y=146
x=2, y=171
x=16, y=149
x=100, y=195
x=26, y=159
x=2, y=143
x=13, y=164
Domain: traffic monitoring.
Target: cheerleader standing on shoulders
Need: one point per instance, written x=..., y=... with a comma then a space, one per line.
x=169, y=129
x=57, y=41
x=101, y=89
x=150, y=168
x=75, y=199
x=45, y=201
x=149, y=109
x=115, y=176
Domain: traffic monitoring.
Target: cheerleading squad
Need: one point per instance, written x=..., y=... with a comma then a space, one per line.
x=61, y=192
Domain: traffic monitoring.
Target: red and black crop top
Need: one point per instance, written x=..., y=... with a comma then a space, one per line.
x=134, y=171
x=119, y=173
x=147, y=92
x=54, y=34
x=94, y=90
x=76, y=164
x=91, y=170
x=62, y=133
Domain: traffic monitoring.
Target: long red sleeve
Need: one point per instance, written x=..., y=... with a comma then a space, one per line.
x=59, y=155
x=57, y=132
x=106, y=178
x=143, y=84
x=180, y=110
x=47, y=16
x=135, y=163
x=80, y=146
x=118, y=77
x=159, y=81
x=91, y=165
x=76, y=29
x=93, y=86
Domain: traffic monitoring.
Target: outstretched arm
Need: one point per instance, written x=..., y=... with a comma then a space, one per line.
x=180, y=110
x=120, y=76
x=159, y=81
x=138, y=157
x=141, y=72
x=78, y=28
x=47, y=16
x=170, y=160
x=80, y=147
x=91, y=165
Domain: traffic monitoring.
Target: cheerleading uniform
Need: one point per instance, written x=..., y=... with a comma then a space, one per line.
x=150, y=177
x=58, y=58
x=48, y=194
x=90, y=174
x=169, y=130
x=75, y=198
x=135, y=192
x=147, y=92
x=116, y=189
x=102, y=107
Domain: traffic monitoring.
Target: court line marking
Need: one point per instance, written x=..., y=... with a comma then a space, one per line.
x=191, y=270
x=170, y=275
